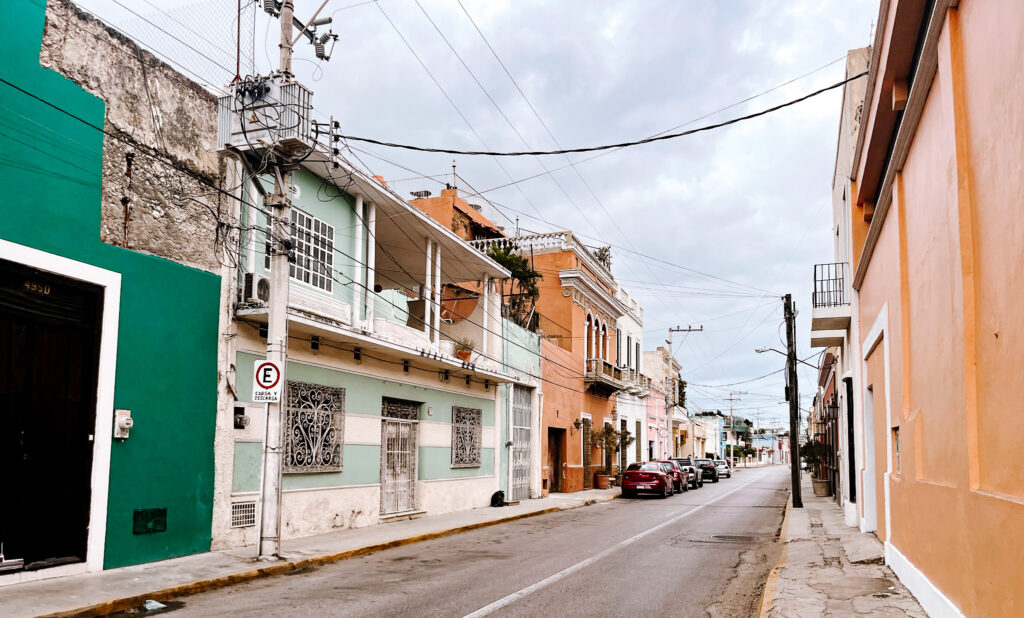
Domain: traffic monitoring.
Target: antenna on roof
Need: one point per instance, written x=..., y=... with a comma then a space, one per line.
x=455, y=182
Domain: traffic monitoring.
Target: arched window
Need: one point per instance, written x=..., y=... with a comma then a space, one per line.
x=586, y=338
x=604, y=342
x=596, y=337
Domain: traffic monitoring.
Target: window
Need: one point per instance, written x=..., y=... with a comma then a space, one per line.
x=896, y=448
x=629, y=351
x=637, y=367
x=467, y=428
x=312, y=250
x=313, y=427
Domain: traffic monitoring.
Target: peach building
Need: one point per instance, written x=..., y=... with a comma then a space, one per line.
x=929, y=217
x=583, y=363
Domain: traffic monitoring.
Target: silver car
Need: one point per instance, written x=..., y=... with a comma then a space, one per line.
x=724, y=469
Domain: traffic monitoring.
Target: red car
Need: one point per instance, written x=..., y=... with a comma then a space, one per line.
x=648, y=476
x=680, y=478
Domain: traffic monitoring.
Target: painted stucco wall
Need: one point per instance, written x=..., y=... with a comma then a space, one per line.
x=315, y=503
x=948, y=266
x=167, y=348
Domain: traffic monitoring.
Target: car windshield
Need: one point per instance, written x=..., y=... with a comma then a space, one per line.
x=645, y=467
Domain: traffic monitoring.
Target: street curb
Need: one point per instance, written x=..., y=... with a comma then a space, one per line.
x=768, y=592
x=204, y=585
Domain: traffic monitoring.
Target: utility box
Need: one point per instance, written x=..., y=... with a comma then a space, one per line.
x=266, y=113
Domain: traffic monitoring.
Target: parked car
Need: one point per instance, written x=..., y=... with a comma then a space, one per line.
x=724, y=469
x=687, y=463
x=707, y=468
x=648, y=477
x=680, y=477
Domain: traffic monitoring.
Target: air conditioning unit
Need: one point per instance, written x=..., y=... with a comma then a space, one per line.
x=264, y=113
x=255, y=288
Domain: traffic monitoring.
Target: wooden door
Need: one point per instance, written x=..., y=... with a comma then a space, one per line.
x=49, y=351
x=588, y=473
x=555, y=460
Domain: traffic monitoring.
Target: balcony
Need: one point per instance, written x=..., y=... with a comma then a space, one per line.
x=603, y=377
x=830, y=316
x=636, y=383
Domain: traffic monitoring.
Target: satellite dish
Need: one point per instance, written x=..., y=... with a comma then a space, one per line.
x=420, y=194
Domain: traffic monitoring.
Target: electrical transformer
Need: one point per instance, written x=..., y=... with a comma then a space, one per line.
x=265, y=113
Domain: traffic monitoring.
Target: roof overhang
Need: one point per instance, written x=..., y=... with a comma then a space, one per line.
x=402, y=231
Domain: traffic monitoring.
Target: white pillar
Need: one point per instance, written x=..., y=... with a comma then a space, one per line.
x=437, y=293
x=427, y=287
x=485, y=296
x=371, y=264
x=358, y=269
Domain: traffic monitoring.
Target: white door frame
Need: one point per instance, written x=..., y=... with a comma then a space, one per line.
x=110, y=281
x=877, y=334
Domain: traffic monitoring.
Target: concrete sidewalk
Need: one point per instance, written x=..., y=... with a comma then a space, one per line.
x=96, y=594
x=830, y=569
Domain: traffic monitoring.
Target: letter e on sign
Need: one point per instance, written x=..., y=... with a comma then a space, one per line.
x=266, y=382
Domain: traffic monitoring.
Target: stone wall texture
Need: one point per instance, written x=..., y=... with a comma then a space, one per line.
x=148, y=205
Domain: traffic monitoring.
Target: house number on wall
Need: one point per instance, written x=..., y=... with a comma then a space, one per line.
x=37, y=288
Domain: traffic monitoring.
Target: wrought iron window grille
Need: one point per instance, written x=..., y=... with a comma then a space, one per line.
x=467, y=436
x=314, y=428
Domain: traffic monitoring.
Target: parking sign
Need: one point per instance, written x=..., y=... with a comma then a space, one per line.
x=266, y=382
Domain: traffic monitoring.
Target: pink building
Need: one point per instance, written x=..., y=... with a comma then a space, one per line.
x=657, y=423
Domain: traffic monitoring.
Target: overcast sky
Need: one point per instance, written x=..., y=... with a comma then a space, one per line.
x=748, y=204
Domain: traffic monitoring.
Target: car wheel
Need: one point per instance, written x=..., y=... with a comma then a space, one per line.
x=666, y=493
x=701, y=484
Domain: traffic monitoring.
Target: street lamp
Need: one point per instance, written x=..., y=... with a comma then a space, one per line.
x=763, y=350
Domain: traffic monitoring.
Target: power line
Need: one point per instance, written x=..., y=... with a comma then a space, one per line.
x=647, y=140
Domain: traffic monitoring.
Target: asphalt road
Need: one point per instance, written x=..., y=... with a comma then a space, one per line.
x=701, y=553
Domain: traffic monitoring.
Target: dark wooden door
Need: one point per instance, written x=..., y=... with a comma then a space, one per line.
x=555, y=437
x=49, y=351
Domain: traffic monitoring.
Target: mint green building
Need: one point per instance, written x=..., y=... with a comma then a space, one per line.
x=382, y=420
x=90, y=332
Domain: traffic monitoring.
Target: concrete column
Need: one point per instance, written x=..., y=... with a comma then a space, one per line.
x=427, y=286
x=371, y=264
x=358, y=268
x=485, y=296
x=437, y=293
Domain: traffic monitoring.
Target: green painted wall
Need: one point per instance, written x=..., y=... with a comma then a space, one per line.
x=245, y=475
x=436, y=463
x=336, y=208
x=520, y=349
x=363, y=395
x=167, y=341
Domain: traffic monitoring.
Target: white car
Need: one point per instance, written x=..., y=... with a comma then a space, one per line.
x=724, y=469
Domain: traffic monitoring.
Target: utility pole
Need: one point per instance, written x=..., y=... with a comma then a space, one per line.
x=793, y=396
x=277, y=325
x=732, y=419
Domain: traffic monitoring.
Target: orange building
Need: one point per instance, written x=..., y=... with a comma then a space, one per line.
x=582, y=360
x=932, y=329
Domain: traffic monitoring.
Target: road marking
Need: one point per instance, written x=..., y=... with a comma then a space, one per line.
x=544, y=583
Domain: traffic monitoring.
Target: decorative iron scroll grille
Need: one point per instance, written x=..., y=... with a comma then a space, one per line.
x=400, y=408
x=467, y=435
x=314, y=428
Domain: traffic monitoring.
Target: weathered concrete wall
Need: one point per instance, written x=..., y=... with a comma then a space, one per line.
x=148, y=206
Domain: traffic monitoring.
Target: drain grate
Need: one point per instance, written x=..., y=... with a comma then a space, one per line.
x=733, y=538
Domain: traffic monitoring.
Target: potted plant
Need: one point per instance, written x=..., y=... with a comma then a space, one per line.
x=609, y=441
x=813, y=453
x=464, y=349
x=602, y=480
